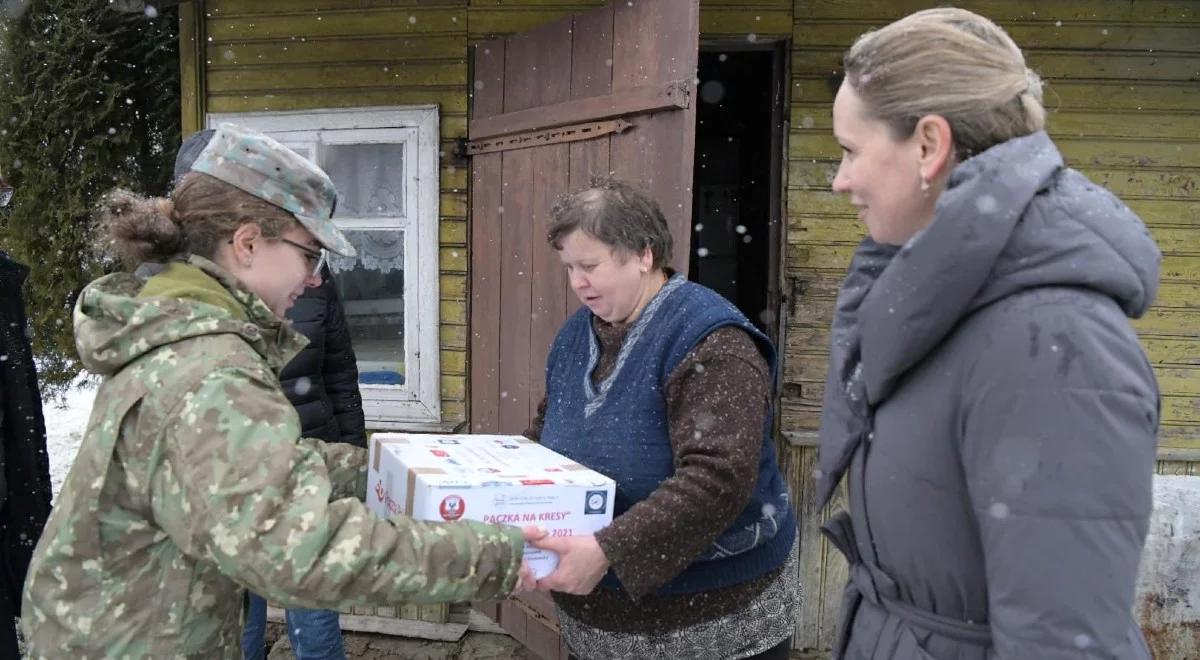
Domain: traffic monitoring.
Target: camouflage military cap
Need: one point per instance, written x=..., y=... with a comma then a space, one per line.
x=263, y=167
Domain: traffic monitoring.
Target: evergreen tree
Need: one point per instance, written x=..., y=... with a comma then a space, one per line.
x=89, y=100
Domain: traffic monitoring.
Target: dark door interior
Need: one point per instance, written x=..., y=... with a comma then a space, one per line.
x=735, y=236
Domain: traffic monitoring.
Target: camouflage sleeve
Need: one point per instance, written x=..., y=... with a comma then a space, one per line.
x=347, y=466
x=235, y=488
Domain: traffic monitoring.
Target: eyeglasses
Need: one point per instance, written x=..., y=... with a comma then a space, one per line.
x=317, y=258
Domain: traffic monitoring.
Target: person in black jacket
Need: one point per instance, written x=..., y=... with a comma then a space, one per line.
x=25, y=477
x=322, y=381
x=322, y=384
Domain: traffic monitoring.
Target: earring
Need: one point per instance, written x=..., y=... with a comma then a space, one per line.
x=924, y=184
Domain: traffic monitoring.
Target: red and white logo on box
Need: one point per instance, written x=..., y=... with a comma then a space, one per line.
x=452, y=507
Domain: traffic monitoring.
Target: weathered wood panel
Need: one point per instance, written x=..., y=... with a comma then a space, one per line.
x=1052, y=64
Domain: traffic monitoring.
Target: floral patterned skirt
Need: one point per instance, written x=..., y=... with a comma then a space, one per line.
x=762, y=625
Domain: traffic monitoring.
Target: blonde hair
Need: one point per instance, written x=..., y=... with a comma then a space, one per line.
x=948, y=62
x=201, y=212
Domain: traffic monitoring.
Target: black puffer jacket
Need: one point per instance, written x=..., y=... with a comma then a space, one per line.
x=24, y=465
x=322, y=380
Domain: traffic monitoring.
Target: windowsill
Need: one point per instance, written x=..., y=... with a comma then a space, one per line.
x=414, y=426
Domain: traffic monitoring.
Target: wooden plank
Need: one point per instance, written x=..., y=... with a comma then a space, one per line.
x=1156, y=37
x=492, y=21
x=834, y=575
x=541, y=627
x=751, y=24
x=192, y=73
x=514, y=620
x=1159, y=321
x=1054, y=64
x=543, y=53
x=1181, y=409
x=591, y=75
x=655, y=43
x=454, y=362
x=1162, y=351
x=450, y=99
x=486, y=248
x=1153, y=211
x=391, y=625
x=353, y=48
x=452, y=260
x=1181, y=11
x=453, y=387
x=452, y=232
x=519, y=178
x=845, y=228
x=1065, y=94
x=531, y=4
x=1177, y=435
x=591, y=64
x=1178, y=467
x=1179, y=441
x=249, y=8
x=334, y=76
x=1178, y=381
x=1094, y=152
x=452, y=311
x=399, y=22
x=798, y=466
x=1179, y=183
x=1180, y=351
x=1105, y=125
x=548, y=291
x=452, y=336
x=639, y=100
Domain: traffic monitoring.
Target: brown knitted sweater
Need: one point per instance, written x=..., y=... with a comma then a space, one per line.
x=716, y=401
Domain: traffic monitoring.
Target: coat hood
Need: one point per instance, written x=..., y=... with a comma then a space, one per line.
x=117, y=323
x=1012, y=218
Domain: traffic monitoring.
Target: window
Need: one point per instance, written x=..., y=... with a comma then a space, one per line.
x=384, y=163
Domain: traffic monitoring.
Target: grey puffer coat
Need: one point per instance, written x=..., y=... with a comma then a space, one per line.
x=997, y=421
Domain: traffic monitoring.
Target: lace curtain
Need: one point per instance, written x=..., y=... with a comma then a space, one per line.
x=379, y=250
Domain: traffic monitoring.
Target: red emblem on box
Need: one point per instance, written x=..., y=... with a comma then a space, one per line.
x=452, y=507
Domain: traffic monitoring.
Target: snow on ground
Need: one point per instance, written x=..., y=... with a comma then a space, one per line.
x=65, y=423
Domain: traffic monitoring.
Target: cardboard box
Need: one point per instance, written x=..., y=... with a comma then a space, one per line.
x=491, y=478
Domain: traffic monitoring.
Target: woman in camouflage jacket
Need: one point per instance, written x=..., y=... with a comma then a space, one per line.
x=192, y=483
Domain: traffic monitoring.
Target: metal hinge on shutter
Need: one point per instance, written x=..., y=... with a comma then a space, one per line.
x=571, y=133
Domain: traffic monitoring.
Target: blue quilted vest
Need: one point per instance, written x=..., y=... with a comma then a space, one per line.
x=618, y=427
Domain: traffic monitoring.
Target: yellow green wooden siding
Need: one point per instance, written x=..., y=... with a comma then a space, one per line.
x=1123, y=90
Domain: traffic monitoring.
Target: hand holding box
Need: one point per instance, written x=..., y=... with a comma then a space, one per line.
x=490, y=478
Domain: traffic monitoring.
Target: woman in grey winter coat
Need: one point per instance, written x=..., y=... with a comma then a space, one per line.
x=986, y=397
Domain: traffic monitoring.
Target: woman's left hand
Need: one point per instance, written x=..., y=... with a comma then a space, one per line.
x=581, y=564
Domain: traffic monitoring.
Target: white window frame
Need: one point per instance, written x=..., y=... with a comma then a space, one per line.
x=416, y=405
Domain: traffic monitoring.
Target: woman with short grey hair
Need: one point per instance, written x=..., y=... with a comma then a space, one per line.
x=664, y=386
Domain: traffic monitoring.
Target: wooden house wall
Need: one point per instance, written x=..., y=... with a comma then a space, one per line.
x=1123, y=93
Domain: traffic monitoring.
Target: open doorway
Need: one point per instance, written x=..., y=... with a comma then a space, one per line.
x=736, y=229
